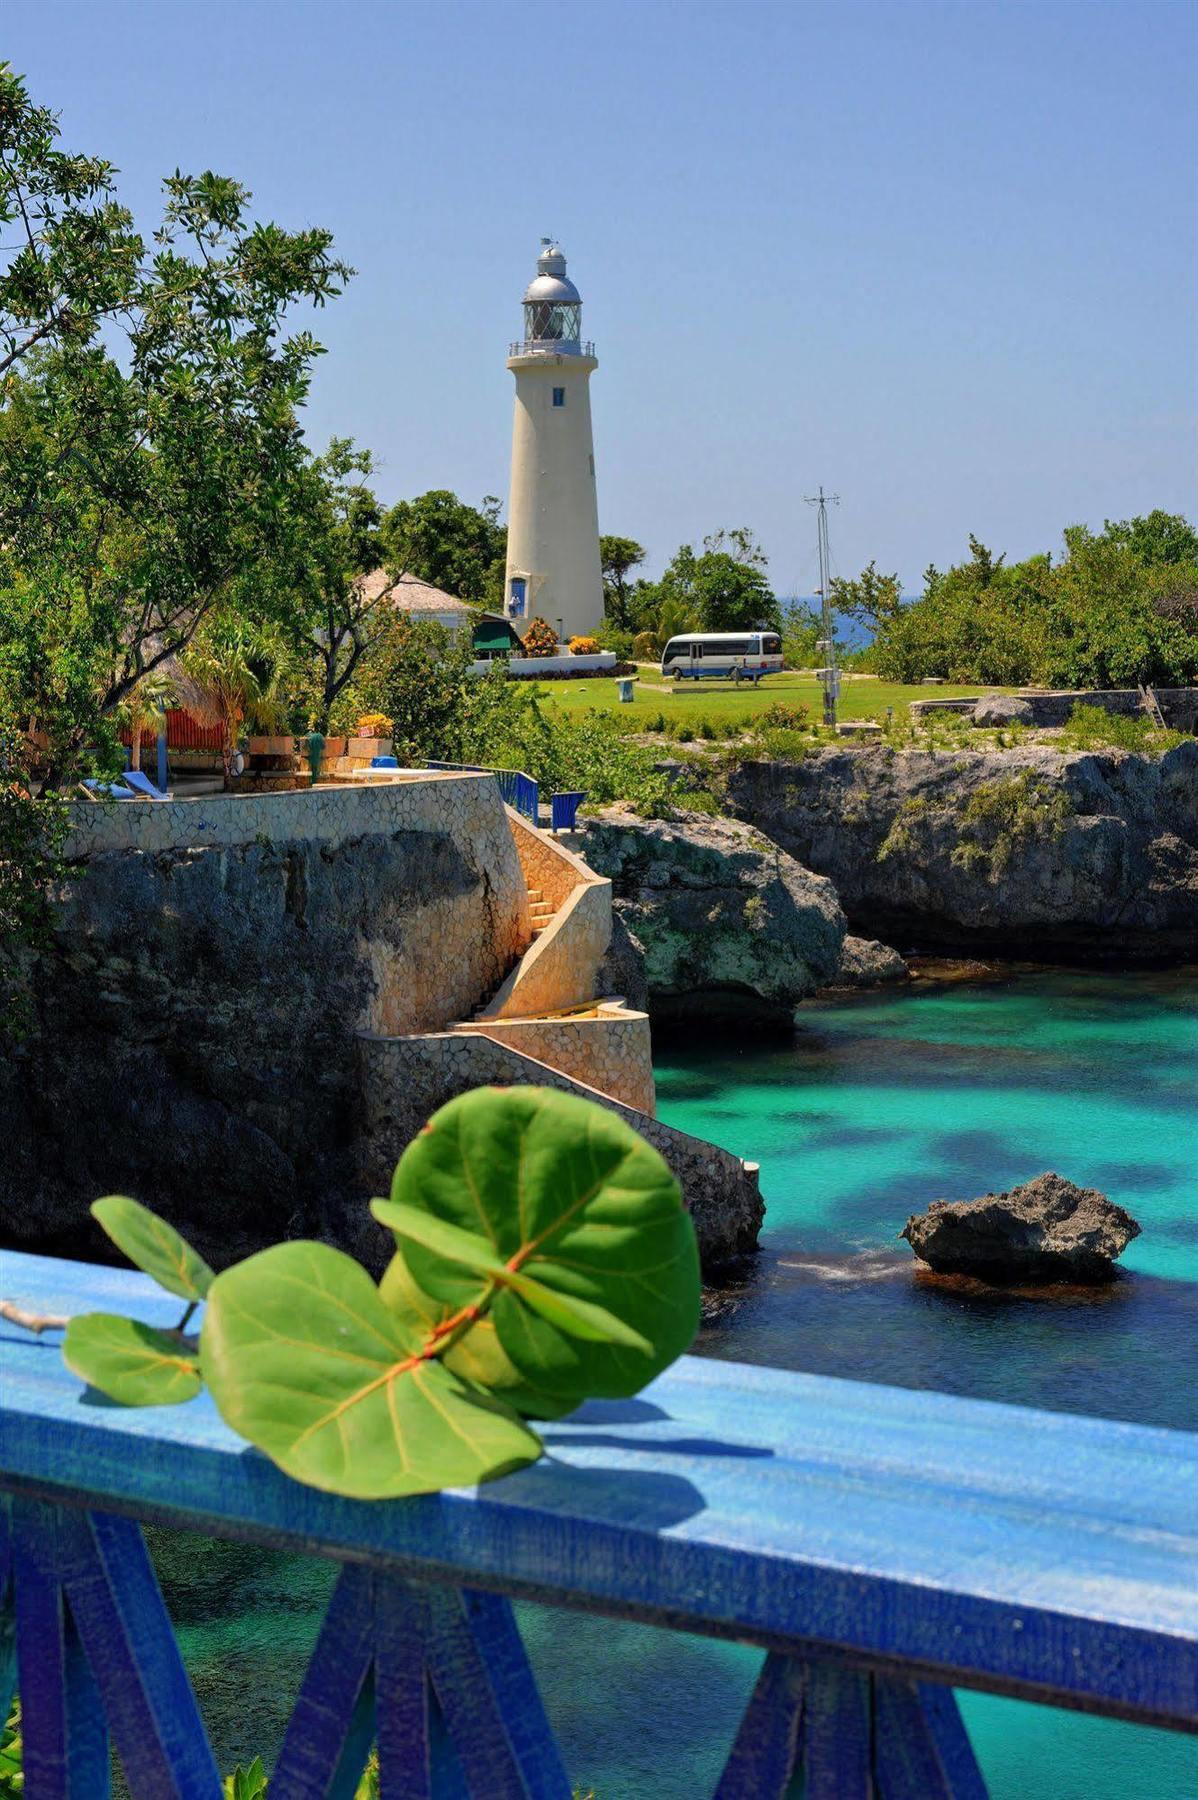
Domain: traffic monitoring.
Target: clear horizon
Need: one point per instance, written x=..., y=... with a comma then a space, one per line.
x=939, y=258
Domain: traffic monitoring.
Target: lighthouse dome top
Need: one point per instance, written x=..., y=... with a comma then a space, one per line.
x=552, y=307
x=552, y=284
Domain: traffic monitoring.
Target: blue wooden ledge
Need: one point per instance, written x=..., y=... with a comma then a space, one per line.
x=885, y=1545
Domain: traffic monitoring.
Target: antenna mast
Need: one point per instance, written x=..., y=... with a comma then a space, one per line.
x=829, y=675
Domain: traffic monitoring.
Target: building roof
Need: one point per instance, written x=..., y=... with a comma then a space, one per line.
x=411, y=595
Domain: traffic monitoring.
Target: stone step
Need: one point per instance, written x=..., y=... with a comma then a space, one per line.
x=536, y=894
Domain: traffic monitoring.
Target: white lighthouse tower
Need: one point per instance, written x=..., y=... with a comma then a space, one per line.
x=553, y=567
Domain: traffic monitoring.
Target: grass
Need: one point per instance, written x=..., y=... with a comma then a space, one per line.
x=723, y=703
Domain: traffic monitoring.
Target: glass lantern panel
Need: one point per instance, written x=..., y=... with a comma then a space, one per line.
x=545, y=322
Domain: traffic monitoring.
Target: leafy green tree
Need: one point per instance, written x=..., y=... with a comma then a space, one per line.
x=334, y=545
x=1159, y=539
x=149, y=437
x=723, y=589
x=458, y=548
x=416, y=675
x=872, y=599
x=619, y=556
x=232, y=671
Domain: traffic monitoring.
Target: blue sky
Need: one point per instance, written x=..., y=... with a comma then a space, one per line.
x=942, y=258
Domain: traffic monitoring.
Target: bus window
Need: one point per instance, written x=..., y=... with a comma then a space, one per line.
x=771, y=643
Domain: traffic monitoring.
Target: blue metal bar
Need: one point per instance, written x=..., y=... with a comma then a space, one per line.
x=837, y=1734
x=163, y=772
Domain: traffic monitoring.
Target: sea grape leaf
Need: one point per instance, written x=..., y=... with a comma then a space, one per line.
x=131, y=1362
x=572, y=1197
x=476, y=1355
x=306, y=1361
x=154, y=1246
x=580, y=1318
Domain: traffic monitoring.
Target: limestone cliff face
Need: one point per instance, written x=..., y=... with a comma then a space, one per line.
x=195, y=1028
x=726, y=922
x=1029, y=852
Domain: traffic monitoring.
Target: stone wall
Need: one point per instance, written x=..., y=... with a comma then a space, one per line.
x=547, y=864
x=610, y=1050
x=1050, y=710
x=194, y=1033
x=404, y=1080
x=561, y=968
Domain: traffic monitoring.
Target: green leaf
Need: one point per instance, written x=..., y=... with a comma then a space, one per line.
x=131, y=1362
x=571, y=1196
x=154, y=1246
x=420, y=1226
x=306, y=1361
x=580, y=1318
x=477, y=1355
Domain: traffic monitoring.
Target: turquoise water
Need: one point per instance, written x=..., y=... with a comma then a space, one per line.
x=879, y=1105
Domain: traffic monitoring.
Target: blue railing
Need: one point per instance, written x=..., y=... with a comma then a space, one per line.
x=519, y=790
x=882, y=1546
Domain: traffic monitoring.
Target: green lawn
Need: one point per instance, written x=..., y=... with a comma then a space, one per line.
x=861, y=697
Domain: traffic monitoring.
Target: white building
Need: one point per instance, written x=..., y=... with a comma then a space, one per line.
x=553, y=566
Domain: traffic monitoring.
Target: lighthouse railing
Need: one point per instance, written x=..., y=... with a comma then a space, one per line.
x=881, y=1546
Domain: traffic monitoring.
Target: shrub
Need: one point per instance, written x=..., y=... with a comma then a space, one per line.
x=1094, y=728
x=584, y=646
x=374, y=724
x=780, y=717
x=540, y=639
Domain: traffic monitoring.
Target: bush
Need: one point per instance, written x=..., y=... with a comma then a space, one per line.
x=780, y=717
x=540, y=639
x=1094, y=728
x=584, y=646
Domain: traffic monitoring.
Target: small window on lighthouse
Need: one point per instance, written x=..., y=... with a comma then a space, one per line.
x=559, y=396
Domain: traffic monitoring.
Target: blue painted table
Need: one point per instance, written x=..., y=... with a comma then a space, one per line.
x=881, y=1545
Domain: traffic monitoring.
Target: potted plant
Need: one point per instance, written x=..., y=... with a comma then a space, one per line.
x=374, y=725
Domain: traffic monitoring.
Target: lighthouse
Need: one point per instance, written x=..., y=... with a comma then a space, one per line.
x=553, y=567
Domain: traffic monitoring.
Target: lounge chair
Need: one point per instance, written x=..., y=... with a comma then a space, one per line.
x=141, y=784
x=106, y=790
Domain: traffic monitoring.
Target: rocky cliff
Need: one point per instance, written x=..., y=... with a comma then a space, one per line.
x=194, y=1042
x=727, y=923
x=1035, y=852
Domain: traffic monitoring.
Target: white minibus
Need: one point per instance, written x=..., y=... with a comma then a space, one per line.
x=738, y=655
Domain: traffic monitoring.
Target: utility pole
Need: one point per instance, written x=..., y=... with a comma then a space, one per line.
x=829, y=675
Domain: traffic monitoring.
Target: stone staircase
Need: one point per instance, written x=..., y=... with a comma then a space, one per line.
x=539, y=909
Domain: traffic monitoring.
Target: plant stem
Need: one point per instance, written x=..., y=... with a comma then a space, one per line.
x=31, y=1321
x=181, y=1327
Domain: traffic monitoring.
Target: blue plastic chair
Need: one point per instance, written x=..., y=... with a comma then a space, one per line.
x=563, y=810
x=384, y=762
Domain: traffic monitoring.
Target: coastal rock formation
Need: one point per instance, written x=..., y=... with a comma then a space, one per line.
x=728, y=924
x=1002, y=709
x=1031, y=852
x=1046, y=1230
x=193, y=1041
x=864, y=963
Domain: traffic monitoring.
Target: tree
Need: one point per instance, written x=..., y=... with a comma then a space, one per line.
x=872, y=599
x=144, y=709
x=232, y=671
x=619, y=556
x=416, y=675
x=1160, y=539
x=336, y=544
x=458, y=548
x=724, y=589
x=149, y=440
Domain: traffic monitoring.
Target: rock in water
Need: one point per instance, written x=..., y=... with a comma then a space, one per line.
x=1046, y=1230
x=864, y=962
